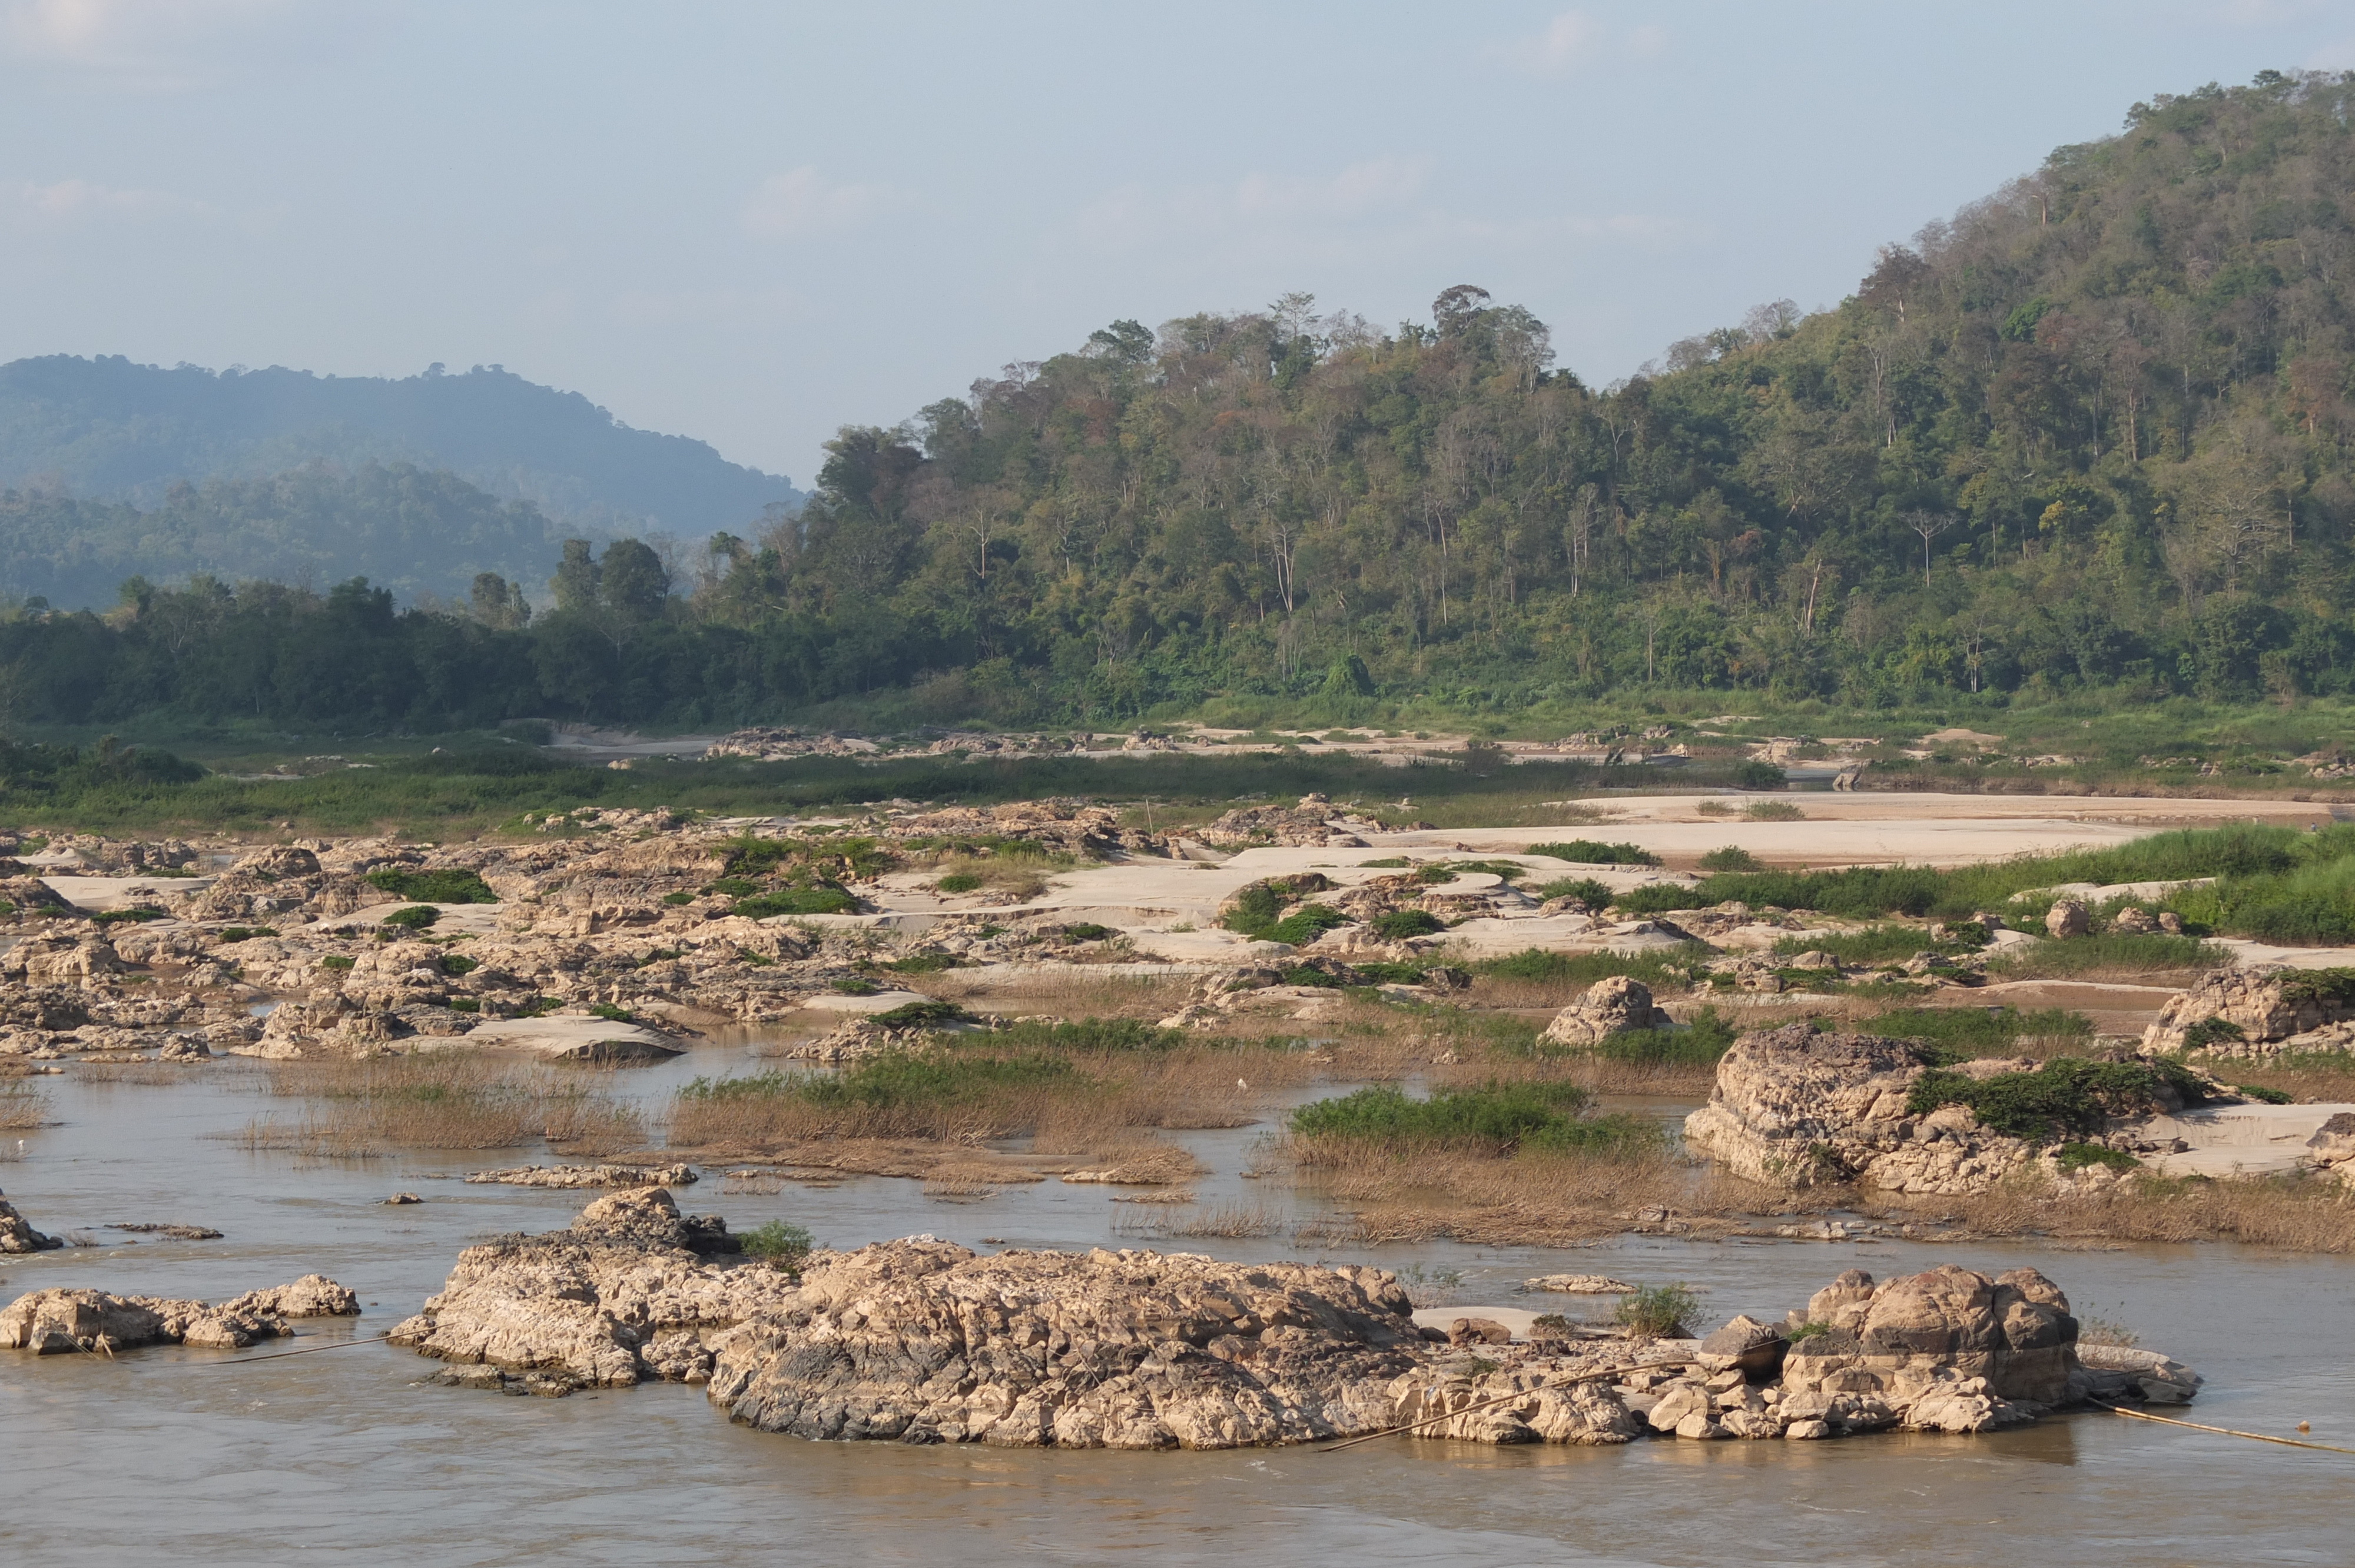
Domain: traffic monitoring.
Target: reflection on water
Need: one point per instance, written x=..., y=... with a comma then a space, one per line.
x=188, y=1456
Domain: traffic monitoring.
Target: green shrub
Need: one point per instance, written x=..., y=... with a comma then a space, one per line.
x=1967, y=1032
x=1400, y=924
x=853, y=985
x=466, y=1004
x=797, y=901
x=1755, y=775
x=2077, y=1156
x=1656, y=968
x=2081, y=954
x=1883, y=944
x=1733, y=857
x=1088, y=931
x=1700, y=1044
x=448, y=885
x=138, y=917
x=777, y=1244
x=733, y=886
x=245, y=933
x=2067, y=1095
x=1588, y=851
x=335, y=961
x=959, y=881
x=919, y=1014
x=2264, y=1095
x=611, y=1013
x=1585, y=889
x=1660, y=1311
x=1499, y=1118
x=416, y=917
x=2208, y=1031
x=458, y=964
x=1304, y=924
x=1774, y=811
x=675, y=899
x=923, y=963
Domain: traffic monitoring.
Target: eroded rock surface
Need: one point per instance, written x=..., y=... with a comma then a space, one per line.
x=574, y=1176
x=63, y=1321
x=16, y=1234
x=2257, y=1012
x=1794, y=1107
x=1612, y=1005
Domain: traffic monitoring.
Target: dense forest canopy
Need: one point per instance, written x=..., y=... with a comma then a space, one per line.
x=108, y=430
x=2092, y=432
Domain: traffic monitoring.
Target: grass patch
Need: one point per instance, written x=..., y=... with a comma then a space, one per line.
x=1497, y=1117
x=2085, y=955
x=797, y=901
x=1399, y=925
x=1701, y=1044
x=1657, y=968
x=1732, y=857
x=1968, y=1032
x=1590, y=851
x=415, y=917
x=1658, y=1311
x=1774, y=811
x=449, y=884
x=1885, y=943
x=2066, y=1096
x=1585, y=889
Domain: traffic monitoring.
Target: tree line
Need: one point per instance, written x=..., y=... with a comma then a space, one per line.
x=2092, y=432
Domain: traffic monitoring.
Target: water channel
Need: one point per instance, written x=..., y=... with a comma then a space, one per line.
x=190, y=1456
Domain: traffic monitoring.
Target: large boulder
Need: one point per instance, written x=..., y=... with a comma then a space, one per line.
x=2254, y=1012
x=1911, y=1335
x=1612, y=1005
x=1796, y=1107
x=922, y=1340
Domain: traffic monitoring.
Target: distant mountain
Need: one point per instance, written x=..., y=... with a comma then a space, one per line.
x=108, y=430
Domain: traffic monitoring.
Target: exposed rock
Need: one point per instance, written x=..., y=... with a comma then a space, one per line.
x=170, y=1233
x=1797, y=1107
x=625, y=1293
x=1612, y=1005
x=1478, y=1331
x=2332, y=1147
x=2252, y=1012
x=924, y=1342
x=590, y=1176
x=1744, y=1345
x=1918, y=1334
x=16, y=1236
x=401, y=1198
x=61, y=1322
x=1587, y=1413
x=60, y=958
x=1580, y=1285
x=2067, y=917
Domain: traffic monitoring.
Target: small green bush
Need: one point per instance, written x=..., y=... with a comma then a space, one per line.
x=611, y=1013
x=677, y=899
x=1700, y=1044
x=1400, y=924
x=449, y=884
x=466, y=1004
x=1588, y=851
x=416, y=917
x=1499, y=1118
x=797, y=901
x=1656, y=968
x=1088, y=931
x=337, y=961
x=2264, y=1095
x=245, y=933
x=733, y=886
x=1967, y=1032
x=2077, y=1156
x=458, y=964
x=2066, y=1095
x=959, y=881
x=777, y=1244
x=1305, y=925
x=134, y=917
x=923, y=963
x=1585, y=889
x=1658, y=1311
x=1733, y=857
x=853, y=985
x=919, y=1014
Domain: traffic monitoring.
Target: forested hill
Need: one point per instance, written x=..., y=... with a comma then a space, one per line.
x=108, y=430
x=2092, y=432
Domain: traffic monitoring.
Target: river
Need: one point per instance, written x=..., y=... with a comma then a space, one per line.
x=198, y=1457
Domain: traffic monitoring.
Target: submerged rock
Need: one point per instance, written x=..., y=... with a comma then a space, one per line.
x=589, y=1176
x=62, y=1321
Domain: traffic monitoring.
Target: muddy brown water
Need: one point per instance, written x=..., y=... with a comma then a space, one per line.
x=188, y=1456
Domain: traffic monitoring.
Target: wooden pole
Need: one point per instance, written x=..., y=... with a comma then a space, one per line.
x=2222, y=1431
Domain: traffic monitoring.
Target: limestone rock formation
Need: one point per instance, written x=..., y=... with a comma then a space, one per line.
x=2067, y=917
x=1612, y=1005
x=62, y=1321
x=922, y=1342
x=1923, y=1335
x=17, y=1235
x=1794, y=1107
x=2255, y=1013
x=625, y=1293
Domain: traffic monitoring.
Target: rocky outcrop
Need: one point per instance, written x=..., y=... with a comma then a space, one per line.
x=590, y=1176
x=924, y=1341
x=1794, y=1107
x=1921, y=1337
x=627, y=1292
x=2257, y=1012
x=62, y=1321
x=1612, y=1005
x=2067, y=917
x=17, y=1235
x=2332, y=1149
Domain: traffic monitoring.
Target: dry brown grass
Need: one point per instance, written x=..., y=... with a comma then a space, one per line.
x=443, y=1101
x=150, y=1075
x=1233, y=1219
x=2298, y=1213
x=1077, y=994
x=1531, y=1198
x=2315, y=1079
x=22, y=1106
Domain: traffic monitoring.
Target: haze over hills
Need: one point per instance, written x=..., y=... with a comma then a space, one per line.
x=279, y=465
x=2096, y=433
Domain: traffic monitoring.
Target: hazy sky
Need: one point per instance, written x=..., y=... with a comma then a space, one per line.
x=752, y=223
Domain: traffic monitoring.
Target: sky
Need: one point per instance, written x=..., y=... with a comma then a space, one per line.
x=754, y=223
